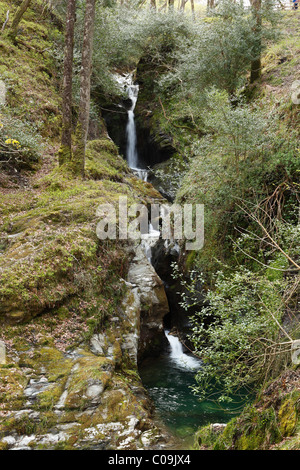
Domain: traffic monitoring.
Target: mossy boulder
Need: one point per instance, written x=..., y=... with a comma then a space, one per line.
x=103, y=161
x=288, y=416
x=272, y=422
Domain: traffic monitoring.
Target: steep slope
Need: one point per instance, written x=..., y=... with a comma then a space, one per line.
x=69, y=319
x=272, y=421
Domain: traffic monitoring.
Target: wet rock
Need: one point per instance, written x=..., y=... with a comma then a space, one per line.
x=94, y=391
x=150, y=291
x=295, y=348
x=97, y=344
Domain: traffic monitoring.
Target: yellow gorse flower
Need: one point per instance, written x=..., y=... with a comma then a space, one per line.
x=13, y=142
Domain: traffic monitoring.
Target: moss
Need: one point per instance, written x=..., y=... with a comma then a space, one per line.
x=4, y=446
x=120, y=403
x=50, y=256
x=287, y=416
x=89, y=369
x=25, y=425
x=290, y=443
x=189, y=260
x=21, y=425
x=205, y=437
x=250, y=442
x=53, y=360
x=48, y=399
x=64, y=155
x=103, y=161
x=26, y=81
x=257, y=428
x=12, y=383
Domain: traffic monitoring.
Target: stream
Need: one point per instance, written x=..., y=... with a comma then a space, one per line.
x=168, y=380
x=169, y=377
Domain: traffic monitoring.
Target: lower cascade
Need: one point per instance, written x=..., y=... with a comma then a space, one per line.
x=179, y=356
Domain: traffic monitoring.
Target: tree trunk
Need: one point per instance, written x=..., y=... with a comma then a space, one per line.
x=171, y=4
x=17, y=18
x=65, y=152
x=183, y=3
x=153, y=5
x=256, y=62
x=85, y=88
x=193, y=8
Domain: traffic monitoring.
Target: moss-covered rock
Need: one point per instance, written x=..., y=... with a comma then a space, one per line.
x=271, y=422
x=69, y=390
x=103, y=161
x=288, y=415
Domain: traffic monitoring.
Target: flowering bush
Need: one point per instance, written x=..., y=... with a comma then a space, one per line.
x=20, y=144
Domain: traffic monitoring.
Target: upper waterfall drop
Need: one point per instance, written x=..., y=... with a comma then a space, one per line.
x=131, y=152
x=127, y=84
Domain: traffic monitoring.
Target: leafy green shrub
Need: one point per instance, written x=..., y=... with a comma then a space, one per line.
x=235, y=334
x=221, y=49
x=239, y=332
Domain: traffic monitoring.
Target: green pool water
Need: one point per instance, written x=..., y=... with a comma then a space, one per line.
x=168, y=380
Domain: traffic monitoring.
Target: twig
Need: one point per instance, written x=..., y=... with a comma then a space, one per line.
x=275, y=319
x=5, y=22
x=172, y=123
x=31, y=47
x=263, y=264
x=274, y=243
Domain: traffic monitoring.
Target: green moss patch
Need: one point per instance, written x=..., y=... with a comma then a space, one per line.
x=103, y=161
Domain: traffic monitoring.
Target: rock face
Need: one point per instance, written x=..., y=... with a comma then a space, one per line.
x=80, y=400
x=150, y=295
x=85, y=313
x=90, y=397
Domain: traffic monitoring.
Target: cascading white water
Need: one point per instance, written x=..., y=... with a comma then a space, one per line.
x=131, y=151
x=131, y=154
x=149, y=240
x=125, y=82
x=179, y=356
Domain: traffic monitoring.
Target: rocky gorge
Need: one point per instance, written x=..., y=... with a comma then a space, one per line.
x=77, y=314
x=89, y=359
x=88, y=396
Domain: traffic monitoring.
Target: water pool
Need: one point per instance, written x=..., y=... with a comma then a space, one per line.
x=168, y=379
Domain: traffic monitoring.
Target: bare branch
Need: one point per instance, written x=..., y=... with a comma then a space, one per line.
x=5, y=22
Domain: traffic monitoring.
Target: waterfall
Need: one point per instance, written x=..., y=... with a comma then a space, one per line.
x=179, y=356
x=126, y=84
x=131, y=154
x=149, y=240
